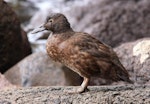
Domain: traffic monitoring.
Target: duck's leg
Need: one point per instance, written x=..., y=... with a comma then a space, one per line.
x=83, y=85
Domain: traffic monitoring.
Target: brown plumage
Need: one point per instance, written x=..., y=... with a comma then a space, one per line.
x=82, y=53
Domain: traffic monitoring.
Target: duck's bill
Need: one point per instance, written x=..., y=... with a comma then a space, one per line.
x=39, y=29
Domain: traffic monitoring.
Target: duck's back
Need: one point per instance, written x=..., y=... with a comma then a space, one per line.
x=87, y=56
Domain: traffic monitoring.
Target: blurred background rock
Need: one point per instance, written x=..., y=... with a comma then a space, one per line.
x=122, y=24
x=14, y=44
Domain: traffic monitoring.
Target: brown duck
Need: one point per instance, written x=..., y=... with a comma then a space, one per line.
x=82, y=53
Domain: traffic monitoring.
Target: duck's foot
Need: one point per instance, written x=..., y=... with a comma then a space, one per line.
x=78, y=91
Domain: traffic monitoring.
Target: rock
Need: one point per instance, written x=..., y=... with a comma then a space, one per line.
x=26, y=45
x=25, y=9
x=135, y=56
x=39, y=70
x=58, y=95
x=13, y=75
x=113, y=22
x=12, y=41
x=4, y=83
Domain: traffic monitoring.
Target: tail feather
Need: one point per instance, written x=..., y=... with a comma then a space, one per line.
x=122, y=73
x=125, y=78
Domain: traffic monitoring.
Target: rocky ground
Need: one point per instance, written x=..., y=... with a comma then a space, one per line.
x=59, y=95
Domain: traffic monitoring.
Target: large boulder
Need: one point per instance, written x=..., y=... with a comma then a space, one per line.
x=135, y=56
x=4, y=83
x=112, y=21
x=39, y=70
x=13, y=41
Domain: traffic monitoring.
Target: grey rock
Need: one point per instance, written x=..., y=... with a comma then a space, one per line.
x=4, y=83
x=59, y=95
x=25, y=9
x=135, y=56
x=39, y=70
x=112, y=21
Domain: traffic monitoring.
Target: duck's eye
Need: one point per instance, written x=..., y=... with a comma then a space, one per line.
x=50, y=20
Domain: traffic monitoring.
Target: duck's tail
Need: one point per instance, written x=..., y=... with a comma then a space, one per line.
x=122, y=73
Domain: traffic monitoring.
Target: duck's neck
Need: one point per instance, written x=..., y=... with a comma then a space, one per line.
x=63, y=34
x=60, y=31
